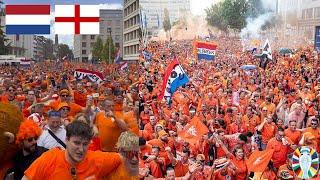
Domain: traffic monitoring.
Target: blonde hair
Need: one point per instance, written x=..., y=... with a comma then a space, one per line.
x=127, y=141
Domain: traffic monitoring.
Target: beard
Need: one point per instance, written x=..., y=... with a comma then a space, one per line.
x=30, y=149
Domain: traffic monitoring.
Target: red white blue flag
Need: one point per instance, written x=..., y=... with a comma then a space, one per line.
x=206, y=50
x=174, y=78
x=27, y=19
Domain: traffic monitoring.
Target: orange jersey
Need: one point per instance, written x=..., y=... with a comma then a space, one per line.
x=53, y=165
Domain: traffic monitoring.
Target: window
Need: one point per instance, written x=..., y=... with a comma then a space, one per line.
x=84, y=44
x=92, y=37
x=117, y=44
x=84, y=36
x=118, y=23
x=309, y=13
x=84, y=52
x=317, y=12
x=117, y=38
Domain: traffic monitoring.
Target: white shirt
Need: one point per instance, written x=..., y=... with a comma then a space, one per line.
x=47, y=141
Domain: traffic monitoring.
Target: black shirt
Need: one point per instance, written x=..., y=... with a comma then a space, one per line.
x=22, y=163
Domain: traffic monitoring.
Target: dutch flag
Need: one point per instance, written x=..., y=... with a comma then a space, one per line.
x=27, y=19
x=206, y=51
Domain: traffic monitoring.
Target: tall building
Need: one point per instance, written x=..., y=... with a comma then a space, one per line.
x=110, y=19
x=153, y=12
x=309, y=17
x=131, y=30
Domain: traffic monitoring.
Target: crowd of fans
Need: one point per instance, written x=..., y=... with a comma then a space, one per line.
x=64, y=123
x=275, y=108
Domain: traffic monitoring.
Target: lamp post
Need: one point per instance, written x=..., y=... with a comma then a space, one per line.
x=109, y=31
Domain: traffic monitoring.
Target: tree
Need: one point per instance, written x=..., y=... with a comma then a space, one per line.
x=214, y=17
x=105, y=53
x=233, y=13
x=4, y=46
x=166, y=21
x=64, y=50
x=97, y=49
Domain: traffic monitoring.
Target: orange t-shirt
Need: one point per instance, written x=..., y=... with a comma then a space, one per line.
x=293, y=136
x=121, y=173
x=241, y=166
x=131, y=120
x=53, y=165
x=268, y=131
x=279, y=156
x=109, y=132
x=74, y=109
x=181, y=169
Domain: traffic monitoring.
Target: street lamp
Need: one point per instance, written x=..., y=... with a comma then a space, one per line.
x=109, y=43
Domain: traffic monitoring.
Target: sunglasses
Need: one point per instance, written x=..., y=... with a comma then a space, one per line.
x=314, y=124
x=73, y=172
x=131, y=154
x=10, y=90
x=64, y=95
x=65, y=109
x=32, y=139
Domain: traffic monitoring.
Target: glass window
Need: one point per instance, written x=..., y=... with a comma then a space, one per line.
x=84, y=52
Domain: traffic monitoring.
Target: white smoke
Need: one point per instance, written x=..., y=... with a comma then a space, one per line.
x=253, y=29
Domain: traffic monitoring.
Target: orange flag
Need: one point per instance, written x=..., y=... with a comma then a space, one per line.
x=194, y=131
x=259, y=160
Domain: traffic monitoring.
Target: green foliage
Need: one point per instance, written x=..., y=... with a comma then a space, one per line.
x=64, y=50
x=233, y=13
x=100, y=50
x=105, y=53
x=4, y=49
x=97, y=49
x=166, y=21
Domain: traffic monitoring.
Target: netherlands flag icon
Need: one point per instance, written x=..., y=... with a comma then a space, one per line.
x=27, y=19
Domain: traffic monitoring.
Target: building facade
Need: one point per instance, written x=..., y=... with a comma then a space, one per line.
x=309, y=18
x=110, y=19
x=153, y=12
x=131, y=30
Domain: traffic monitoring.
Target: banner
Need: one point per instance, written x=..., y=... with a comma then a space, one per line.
x=259, y=160
x=173, y=79
x=193, y=131
x=93, y=76
x=205, y=50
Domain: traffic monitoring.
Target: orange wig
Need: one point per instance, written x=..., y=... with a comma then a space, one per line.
x=27, y=129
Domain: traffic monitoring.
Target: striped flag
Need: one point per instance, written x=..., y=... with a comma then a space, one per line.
x=27, y=19
x=205, y=50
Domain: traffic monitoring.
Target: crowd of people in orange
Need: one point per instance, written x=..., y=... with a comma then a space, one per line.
x=225, y=123
x=242, y=113
x=54, y=126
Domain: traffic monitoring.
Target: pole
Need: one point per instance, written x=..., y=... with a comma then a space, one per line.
x=109, y=44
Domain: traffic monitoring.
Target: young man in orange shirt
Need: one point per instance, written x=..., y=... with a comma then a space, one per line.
x=76, y=162
x=281, y=146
